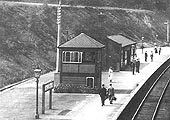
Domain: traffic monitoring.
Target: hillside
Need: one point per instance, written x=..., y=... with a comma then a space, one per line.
x=160, y=5
x=28, y=33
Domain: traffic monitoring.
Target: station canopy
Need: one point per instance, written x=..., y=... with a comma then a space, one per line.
x=120, y=39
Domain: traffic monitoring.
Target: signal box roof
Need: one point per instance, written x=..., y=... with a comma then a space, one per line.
x=82, y=41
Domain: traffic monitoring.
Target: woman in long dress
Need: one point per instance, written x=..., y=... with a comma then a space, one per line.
x=110, y=74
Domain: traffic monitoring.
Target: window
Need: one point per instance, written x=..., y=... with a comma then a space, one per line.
x=89, y=57
x=72, y=57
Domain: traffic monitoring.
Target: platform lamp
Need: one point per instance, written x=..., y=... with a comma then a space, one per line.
x=37, y=73
x=101, y=17
x=167, y=27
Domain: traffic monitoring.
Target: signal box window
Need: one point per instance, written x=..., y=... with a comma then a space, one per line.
x=89, y=57
x=72, y=57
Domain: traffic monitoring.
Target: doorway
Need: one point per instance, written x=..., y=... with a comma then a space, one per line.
x=90, y=82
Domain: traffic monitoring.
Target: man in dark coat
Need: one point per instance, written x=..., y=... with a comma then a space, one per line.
x=156, y=51
x=137, y=65
x=133, y=66
x=146, y=56
x=102, y=93
x=159, y=50
x=111, y=93
x=151, y=55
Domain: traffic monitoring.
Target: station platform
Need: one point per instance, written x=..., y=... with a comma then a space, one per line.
x=18, y=102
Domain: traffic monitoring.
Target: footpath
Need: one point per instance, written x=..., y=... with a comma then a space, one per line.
x=18, y=102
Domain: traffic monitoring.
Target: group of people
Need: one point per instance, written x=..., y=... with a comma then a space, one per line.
x=156, y=49
x=104, y=94
x=135, y=65
x=146, y=56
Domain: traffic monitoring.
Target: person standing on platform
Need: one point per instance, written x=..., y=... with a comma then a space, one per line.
x=110, y=74
x=111, y=93
x=159, y=50
x=133, y=66
x=137, y=65
x=146, y=56
x=102, y=93
x=156, y=51
x=151, y=55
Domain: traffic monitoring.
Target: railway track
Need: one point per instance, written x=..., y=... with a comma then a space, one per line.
x=154, y=105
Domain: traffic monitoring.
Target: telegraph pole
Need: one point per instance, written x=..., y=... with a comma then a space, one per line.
x=167, y=27
x=168, y=31
x=58, y=33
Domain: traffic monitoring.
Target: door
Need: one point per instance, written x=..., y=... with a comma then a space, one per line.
x=90, y=82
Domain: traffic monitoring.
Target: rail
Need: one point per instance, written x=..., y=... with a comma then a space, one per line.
x=150, y=90
x=136, y=100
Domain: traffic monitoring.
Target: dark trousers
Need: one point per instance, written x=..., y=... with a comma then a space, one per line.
x=111, y=98
x=133, y=70
x=137, y=69
x=102, y=99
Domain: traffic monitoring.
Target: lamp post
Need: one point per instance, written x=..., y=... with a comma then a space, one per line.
x=167, y=27
x=142, y=45
x=37, y=73
x=101, y=17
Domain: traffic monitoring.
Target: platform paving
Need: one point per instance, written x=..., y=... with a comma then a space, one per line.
x=18, y=102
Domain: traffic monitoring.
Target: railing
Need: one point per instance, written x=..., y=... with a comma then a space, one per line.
x=47, y=87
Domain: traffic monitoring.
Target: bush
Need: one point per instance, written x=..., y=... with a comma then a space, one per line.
x=71, y=88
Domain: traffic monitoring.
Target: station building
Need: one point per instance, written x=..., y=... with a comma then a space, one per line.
x=120, y=50
x=82, y=59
